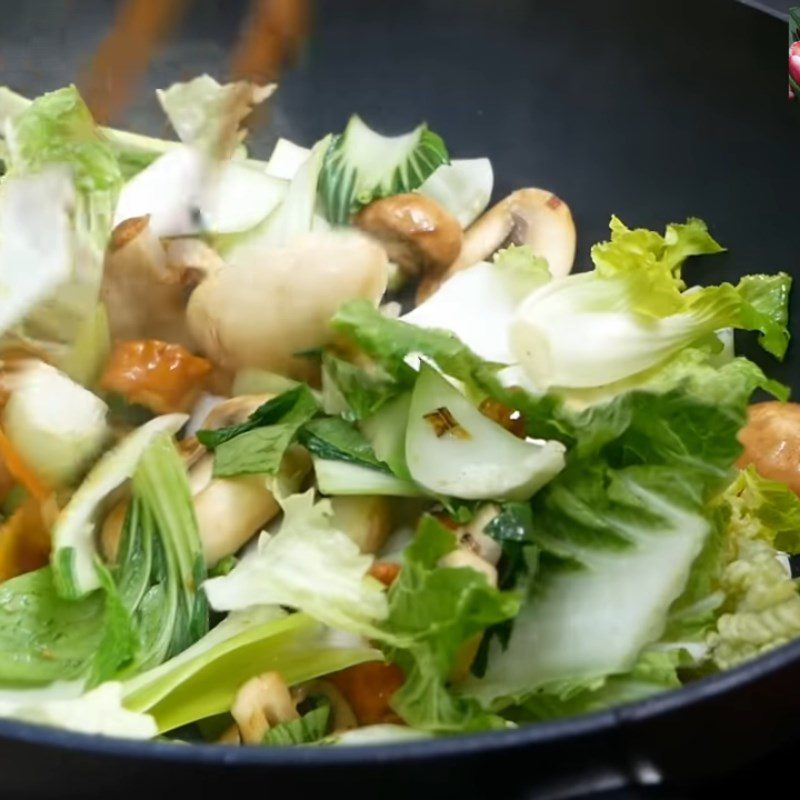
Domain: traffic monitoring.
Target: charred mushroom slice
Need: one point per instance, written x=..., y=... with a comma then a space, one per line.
x=420, y=236
x=144, y=295
x=534, y=217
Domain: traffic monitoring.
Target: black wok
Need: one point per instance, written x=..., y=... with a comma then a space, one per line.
x=652, y=110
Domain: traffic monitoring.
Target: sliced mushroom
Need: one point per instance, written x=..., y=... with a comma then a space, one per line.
x=461, y=558
x=192, y=255
x=365, y=519
x=260, y=704
x=229, y=511
x=534, y=217
x=480, y=552
x=420, y=236
x=230, y=736
x=144, y=295
x=272, y=303
x=472, y=538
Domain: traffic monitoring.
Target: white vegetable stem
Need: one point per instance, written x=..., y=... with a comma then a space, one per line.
x=56, y=425
x=184, y=195
x=578, y=332
x=463, y=187
x=35, y=240
x=588, y=623
x=74, y=549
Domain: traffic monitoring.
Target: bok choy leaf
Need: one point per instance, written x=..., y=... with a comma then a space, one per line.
x=361, y=166
x=203, y=680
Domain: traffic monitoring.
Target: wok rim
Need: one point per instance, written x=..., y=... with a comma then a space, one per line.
x=455, y=746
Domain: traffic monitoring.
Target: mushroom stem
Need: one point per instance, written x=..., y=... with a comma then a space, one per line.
x=261, y=703
x=143, y=295
x=229, y=511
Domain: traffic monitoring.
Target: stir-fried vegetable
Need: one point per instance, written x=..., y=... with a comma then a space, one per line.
x=526, y=497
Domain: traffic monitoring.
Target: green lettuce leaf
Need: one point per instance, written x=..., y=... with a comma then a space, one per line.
x=43, y=637
x=654, y=672
x=202, y=681
x=296, y=400
x=58, y=129
x=765, y=509
x=363, y=391
x=619, y=531
x=766, y=309
x=762, y=606
x=436, y=610
x=521, y=270
x=642, y=250
x=335, y=439
x=696, y=370
x=308, y=565
x=636, y=320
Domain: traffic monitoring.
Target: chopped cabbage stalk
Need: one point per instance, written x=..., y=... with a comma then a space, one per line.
x=184, y=194
x=98, y=712
x=203, y=680
x=56, y=425
x=361, y=166
x=286, y=159
x=295, y=214
x=589, y=623
x=343, y=478
x=463, y=187
x=74, y=549
x=484, y=292
x=35, y=231
x=452, y=449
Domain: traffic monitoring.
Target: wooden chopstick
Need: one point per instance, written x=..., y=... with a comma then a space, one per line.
x=272, y=34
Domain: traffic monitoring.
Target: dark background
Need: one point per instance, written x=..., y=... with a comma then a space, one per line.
x=779, y=7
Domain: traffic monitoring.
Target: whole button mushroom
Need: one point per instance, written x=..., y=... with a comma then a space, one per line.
x=420, y=236
x=771, y=440
x=270, y=304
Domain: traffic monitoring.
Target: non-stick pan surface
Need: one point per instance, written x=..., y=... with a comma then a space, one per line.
x=654, y=111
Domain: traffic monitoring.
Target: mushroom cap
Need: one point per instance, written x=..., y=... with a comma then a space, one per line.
x=535, y=217
x=420, y=236
x=274, y=303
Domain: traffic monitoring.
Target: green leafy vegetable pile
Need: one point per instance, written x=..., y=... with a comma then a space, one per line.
x=518, y=501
